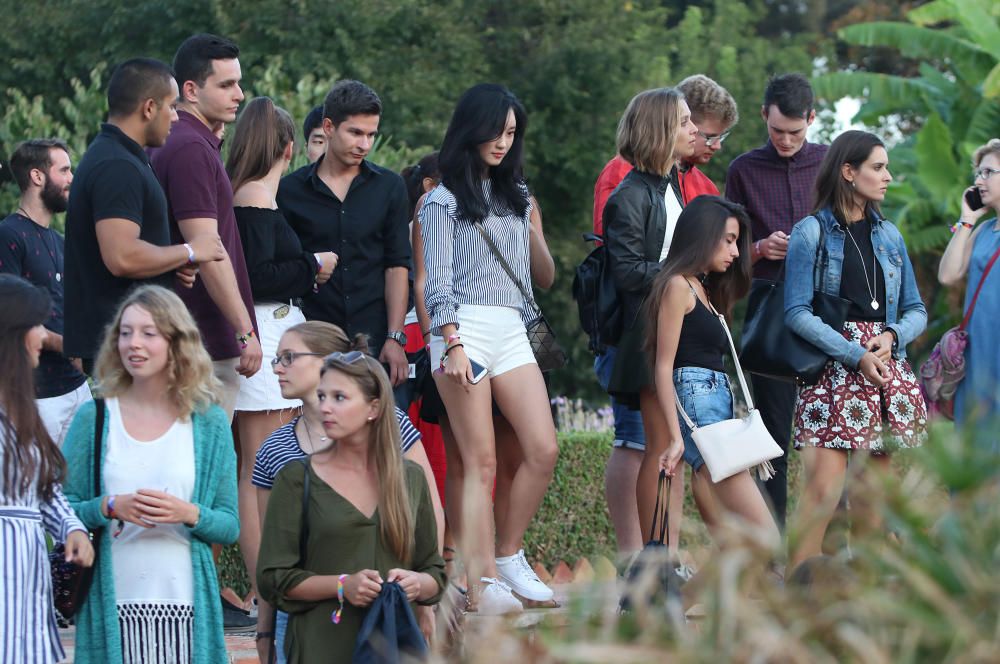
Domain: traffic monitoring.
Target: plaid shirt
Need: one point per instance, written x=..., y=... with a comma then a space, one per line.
x=776, y=191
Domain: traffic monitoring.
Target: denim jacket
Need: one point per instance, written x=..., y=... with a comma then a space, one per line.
x=905, y=313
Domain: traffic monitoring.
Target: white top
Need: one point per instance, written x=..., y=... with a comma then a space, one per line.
x=151, y=564
x=674, y=210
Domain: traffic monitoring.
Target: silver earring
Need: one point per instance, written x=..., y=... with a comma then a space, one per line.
x=853, y=185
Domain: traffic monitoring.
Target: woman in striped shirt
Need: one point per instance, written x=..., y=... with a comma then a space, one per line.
x=31, y=501
x=478, y=317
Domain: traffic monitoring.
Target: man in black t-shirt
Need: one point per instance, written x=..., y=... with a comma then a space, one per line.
x=32, y=249
x=117, y=233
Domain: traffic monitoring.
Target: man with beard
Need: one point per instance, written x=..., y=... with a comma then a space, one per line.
x=32, y=249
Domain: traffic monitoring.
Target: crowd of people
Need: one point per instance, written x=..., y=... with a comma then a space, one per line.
x=332, y=365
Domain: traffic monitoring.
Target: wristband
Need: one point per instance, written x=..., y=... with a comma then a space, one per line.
x=111, y=508
x=756, y=247
x=319, y=263
x=444, y=355
x=190, y=253
x=959, y=224
x=335, y=616
x=244, y=339
x=264, y=635
x=453, y=337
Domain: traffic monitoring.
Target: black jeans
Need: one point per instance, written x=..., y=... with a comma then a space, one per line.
x=776, y=401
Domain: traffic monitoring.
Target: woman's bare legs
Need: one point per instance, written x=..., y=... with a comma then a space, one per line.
x=824, y=482
x=620, y=479
x=509, y=458
x=657, y=434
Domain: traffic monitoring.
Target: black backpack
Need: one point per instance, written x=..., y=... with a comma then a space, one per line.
x=596, y=298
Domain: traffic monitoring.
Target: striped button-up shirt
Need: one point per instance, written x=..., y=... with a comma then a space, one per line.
x=461, y=269
x=776, y=191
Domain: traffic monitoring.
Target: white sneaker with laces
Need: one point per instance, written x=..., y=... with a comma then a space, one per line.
x=517, y=573
x=495, y=598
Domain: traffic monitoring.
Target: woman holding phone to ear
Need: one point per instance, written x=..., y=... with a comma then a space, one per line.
x=478, y=314
x=977, y=401
x=867, y=400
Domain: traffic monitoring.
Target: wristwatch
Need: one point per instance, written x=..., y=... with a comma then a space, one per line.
x=398, y=336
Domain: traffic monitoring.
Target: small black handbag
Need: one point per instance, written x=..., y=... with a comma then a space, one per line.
x=769, y=347
x=70, y=582
x=548, y=353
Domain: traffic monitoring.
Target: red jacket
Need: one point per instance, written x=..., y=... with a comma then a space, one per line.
x=692, y=182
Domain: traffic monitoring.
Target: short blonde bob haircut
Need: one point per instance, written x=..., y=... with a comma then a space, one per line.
x=648, y=129
x=991, y=146
x=192, y=385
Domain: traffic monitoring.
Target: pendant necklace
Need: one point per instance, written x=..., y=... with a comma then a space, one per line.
x=322, y=439
x=868, y=284
x=51, y=252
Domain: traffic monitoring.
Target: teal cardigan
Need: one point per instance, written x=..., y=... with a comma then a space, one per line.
x=98, y=637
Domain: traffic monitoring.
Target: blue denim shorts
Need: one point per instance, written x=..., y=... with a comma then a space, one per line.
x=628, y=423
x=707, y=398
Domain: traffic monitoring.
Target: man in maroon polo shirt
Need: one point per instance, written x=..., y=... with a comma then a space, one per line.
x=200, y=198
x=776, y=185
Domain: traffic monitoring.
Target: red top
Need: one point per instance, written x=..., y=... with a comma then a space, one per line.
x=692, y=183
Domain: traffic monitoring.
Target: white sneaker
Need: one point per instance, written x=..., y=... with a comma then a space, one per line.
x=495, y=598
x=517, y=573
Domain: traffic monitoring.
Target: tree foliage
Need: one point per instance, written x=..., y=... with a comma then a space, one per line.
x=575, y=65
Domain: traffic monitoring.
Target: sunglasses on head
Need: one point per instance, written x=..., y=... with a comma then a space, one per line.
x=345, y=358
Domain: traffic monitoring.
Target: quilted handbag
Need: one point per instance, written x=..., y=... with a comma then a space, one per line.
x=732, y=446
x=944, y=368
x=548, y=353
x=70, y=582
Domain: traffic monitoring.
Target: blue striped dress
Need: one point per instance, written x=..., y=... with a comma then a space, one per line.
x=28, y=630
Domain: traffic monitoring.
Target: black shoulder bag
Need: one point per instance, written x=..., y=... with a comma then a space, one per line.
x=769, y=347
x=548, y=353
x=70, y=582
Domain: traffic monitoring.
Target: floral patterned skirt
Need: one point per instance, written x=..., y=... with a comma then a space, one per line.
x=844, y=411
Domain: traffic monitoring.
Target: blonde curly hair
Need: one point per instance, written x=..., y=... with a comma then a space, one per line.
x=192, y=385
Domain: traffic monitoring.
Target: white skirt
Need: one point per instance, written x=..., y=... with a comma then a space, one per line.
x=261, y=391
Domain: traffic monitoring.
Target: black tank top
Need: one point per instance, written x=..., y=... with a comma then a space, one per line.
x=703, y=341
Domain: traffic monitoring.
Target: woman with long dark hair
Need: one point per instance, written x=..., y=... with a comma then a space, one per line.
x=479, y=341
x=705, y=273
x=368, y=520
x=167, y=493
x=867, y=400
x=280, y=272
x=31, y=500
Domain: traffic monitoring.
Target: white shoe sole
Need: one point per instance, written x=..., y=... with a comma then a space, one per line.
x=533, y=595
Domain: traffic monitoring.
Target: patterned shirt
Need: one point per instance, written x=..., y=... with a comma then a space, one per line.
x=282, y=447
x=776, y=191
x=461, y=269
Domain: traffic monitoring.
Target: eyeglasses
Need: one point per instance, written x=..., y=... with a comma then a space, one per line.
x=345, y=358
x=984, y=173
x=286, y=358
x=712, y=139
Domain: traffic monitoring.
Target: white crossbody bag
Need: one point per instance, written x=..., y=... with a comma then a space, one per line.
x=732, y=446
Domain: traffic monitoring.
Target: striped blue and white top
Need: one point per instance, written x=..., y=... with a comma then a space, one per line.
x=282, y=447
x=461, y=269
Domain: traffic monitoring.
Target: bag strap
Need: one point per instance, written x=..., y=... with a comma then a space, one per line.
x=304, y=523
x=739, y=374
x=979, y=287
x=506, y=267
x=660, y=510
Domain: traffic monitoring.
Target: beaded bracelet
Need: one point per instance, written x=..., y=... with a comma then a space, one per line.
x=959, y=224
x=244, y=339
x=335, y=616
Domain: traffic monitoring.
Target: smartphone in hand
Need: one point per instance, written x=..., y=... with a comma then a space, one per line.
x=973, y=198
x=478, y=371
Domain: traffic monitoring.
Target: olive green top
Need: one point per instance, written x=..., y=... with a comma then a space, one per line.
x=342, y=540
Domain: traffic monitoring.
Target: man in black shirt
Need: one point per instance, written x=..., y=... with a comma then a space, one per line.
x=117, y=234
x=32, y=249
x=359, y=211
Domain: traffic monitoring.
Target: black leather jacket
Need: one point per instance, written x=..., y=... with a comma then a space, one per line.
x=635, y=219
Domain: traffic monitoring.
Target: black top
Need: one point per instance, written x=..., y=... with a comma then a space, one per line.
x=703, y=341
x=113, y=180
x=857, y=266
x=36, y=253
x=279, y=268
x=369, y=232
